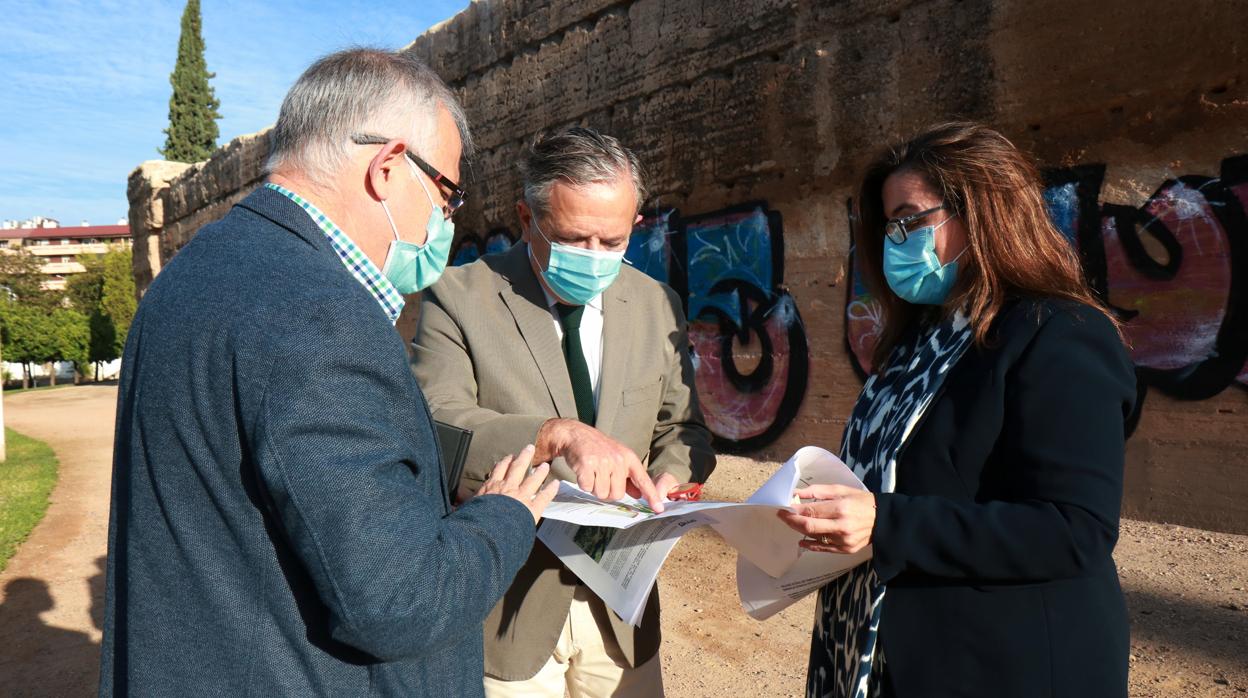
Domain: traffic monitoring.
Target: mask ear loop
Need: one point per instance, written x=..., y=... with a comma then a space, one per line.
x=390, y=218
x=393, y=228
x=420, y=180
x=549, y=244
x=965, y=247
x=389, y=252
x=538, y=228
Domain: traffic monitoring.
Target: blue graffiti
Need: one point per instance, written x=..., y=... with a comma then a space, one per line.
x=650, y=249
x=470, y=247
x=727, y=266
x=729, y=248
x=1062, y=201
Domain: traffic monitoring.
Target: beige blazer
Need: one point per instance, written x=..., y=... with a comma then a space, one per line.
x=488, y=359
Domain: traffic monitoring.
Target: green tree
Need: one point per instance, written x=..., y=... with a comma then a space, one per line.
x=85, y=290
x=117, y=301
x=21, y=274
x=103, y=341
x=86, y=294
x=192, y=132
x=73, y=340
x=28, y=334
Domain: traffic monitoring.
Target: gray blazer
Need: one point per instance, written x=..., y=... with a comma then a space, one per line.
x=489, y=360
x=279, y=521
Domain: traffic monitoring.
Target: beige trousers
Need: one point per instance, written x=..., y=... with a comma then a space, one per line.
x=582, y=667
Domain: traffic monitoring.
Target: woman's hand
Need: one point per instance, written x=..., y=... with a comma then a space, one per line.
x=840, y=521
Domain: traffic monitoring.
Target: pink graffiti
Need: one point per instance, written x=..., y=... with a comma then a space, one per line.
x=864, y=320
x=1179, y=318
x=730, y=413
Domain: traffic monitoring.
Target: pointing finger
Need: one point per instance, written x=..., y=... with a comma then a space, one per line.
x=641, y=480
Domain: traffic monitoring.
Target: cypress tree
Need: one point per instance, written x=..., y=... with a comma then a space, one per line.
x=192, y=132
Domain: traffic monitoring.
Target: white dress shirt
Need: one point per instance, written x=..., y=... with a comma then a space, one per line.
x=591, y=335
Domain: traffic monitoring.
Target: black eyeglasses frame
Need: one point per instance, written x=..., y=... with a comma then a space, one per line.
x=457, y=193
x=895, y=229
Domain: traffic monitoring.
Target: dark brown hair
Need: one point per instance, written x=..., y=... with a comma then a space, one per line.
x=1013, y=247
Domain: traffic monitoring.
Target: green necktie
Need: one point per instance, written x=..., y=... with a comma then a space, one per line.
x=574, y=356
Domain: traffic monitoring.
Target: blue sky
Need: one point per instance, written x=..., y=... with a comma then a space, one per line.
x=84, y=86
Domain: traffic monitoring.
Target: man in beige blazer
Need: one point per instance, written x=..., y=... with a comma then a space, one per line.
x=557, y=344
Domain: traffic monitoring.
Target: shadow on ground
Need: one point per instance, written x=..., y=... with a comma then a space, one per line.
x=50, y=661
x=1163, y=623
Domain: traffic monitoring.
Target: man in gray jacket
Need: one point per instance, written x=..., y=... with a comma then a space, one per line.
x=280, y=522
x=556, y=343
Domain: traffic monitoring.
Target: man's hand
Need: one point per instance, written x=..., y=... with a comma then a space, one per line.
x=511, y=478
x=602, y=465
x=840, y=522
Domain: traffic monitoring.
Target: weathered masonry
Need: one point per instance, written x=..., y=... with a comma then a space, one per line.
x=753, y=118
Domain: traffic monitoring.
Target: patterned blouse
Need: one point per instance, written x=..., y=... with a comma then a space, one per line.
x=845, y=659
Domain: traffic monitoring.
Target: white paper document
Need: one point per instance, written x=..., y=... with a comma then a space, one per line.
x=618, y=547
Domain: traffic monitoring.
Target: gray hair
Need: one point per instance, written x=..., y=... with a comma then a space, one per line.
x=359, y=90
x=577, y=156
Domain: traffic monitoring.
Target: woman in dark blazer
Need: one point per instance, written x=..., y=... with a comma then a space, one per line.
x=991, y=436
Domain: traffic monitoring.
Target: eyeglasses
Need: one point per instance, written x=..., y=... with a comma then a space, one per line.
x=896, y=230
x=458, y=193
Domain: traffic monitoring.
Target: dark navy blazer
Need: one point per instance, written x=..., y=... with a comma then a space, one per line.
x=997, y=543
x=279, y=521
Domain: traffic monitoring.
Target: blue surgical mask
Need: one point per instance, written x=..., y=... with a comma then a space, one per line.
x=913, y=270
x=578, y=275
x=411, y=267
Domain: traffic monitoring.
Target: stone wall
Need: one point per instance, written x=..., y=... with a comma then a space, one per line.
x=754, y=118
x=170, y=201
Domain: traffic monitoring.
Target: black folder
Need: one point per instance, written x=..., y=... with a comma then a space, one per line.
x=454, y=453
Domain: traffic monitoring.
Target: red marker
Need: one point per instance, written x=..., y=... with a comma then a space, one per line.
x=688, y=492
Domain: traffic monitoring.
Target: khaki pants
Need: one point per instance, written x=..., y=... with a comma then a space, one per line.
x=582, y=667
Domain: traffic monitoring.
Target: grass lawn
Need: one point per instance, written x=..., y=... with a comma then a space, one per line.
x=26, y=480
x=14, y=391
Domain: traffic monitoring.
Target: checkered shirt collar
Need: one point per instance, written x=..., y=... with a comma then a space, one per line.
x=351, y=256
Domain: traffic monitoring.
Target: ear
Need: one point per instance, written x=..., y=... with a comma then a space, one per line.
x=385, y=166
x=526, y=218
x=637, y=219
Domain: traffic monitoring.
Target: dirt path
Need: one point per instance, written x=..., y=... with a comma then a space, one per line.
x=1186, y=592
x=51, y=593
x=1186, y=589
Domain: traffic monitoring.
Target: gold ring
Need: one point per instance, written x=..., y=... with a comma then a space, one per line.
x=826, y=540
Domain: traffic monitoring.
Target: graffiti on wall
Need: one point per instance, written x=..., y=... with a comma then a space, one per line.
x=864, y=318
x=751, y=359
x=751, y=362
x=1175, y=269
x=470, y=247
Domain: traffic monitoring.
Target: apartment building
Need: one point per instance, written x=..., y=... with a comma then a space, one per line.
x=59, y=248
